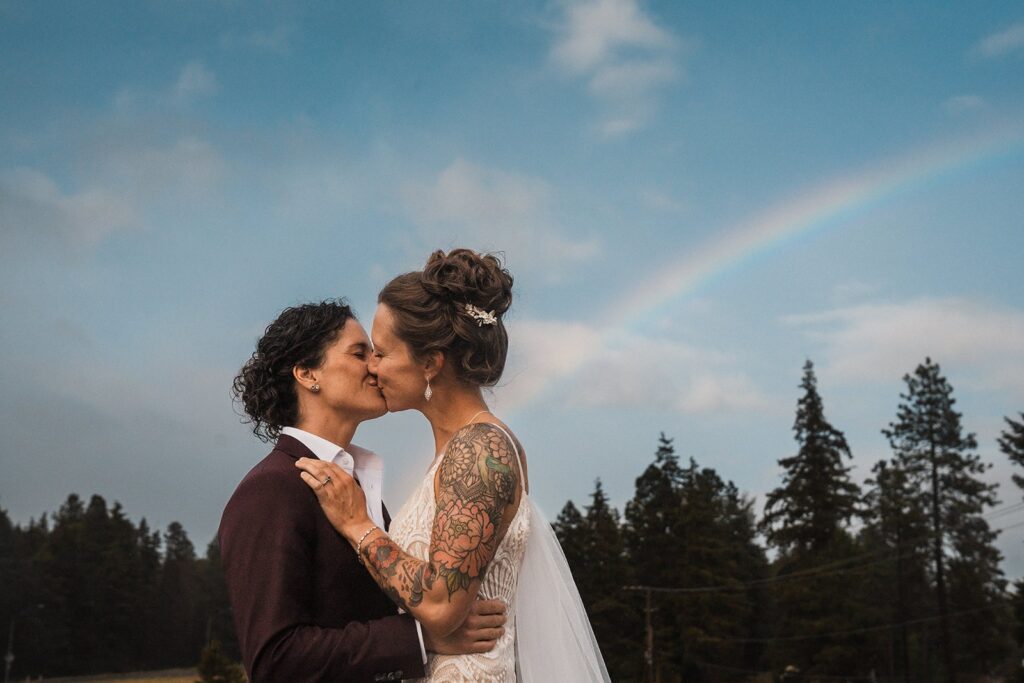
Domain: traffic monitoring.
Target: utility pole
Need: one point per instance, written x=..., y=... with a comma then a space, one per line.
x=649, y=637
x=9, y=657
x=649, y=649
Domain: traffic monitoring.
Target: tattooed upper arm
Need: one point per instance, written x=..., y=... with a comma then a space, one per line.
x=477, y=480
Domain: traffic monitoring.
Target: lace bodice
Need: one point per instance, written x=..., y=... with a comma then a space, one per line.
x=411, y=529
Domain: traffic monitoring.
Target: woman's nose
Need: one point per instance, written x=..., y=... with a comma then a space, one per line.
x=372, y=363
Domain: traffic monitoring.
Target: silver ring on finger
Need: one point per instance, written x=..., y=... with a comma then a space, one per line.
x=325, y=482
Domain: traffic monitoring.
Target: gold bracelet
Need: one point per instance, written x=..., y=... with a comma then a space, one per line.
x=359, y=546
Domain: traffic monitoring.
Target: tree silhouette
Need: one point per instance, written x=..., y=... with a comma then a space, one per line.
x=817, y=499
x=932, y=448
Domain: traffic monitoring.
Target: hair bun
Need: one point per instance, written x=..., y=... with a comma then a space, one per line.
x=465, y=277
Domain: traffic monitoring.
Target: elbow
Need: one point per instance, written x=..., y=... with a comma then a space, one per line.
x=440, y=619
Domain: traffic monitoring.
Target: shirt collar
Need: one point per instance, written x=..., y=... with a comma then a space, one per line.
x=358, y=457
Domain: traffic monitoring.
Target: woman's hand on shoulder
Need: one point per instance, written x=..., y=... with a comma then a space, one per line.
x=340, y=496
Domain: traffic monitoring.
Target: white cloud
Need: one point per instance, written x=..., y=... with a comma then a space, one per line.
x=33, y=204
x=963, y=103
x=624, y=55
x=189, y=168
x=1002, y=42
x=492, y=209
x=194, y=81
x=596, y=30
x=126, y=183
x=631, y=371
x=277, y=39
x=631, y=79
x=661, y=201
x=853, y=290
x=880, y=342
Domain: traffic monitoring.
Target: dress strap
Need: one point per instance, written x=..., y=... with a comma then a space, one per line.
x=515, y=448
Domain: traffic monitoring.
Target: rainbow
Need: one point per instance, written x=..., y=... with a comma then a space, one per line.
x=822, y=206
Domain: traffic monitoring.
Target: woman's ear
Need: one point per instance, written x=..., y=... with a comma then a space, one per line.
x=433, y=364
x=306, y=377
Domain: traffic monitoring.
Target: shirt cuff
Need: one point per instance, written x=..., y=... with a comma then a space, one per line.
x=423, y=648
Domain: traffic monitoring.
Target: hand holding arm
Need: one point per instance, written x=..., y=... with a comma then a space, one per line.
x=477, y=634
x=478, y=479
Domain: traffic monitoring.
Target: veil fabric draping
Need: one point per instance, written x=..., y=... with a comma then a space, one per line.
x=554, y=640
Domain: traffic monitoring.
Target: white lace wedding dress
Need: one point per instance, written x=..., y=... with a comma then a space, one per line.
x=547, y=636
x=411, y=529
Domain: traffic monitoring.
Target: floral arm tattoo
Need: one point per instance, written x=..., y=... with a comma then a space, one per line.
x=478, y=478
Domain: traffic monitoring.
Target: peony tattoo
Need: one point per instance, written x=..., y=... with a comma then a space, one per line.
x=477, y=479
x=466, y=543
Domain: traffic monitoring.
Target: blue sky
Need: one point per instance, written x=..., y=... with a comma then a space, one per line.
x=694, y=198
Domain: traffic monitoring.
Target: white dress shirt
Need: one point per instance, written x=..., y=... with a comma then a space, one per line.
x=364, y=465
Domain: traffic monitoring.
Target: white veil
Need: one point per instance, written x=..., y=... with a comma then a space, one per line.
x=554, y=640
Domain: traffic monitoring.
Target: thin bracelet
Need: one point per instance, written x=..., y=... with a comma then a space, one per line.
x=359, y=546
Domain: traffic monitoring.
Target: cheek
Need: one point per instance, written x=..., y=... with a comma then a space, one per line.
x=395, y=374
x=384, y=371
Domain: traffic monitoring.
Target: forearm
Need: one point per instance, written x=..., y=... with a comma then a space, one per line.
x=417, y=586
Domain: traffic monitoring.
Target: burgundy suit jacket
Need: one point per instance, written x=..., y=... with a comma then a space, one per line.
x=305, y=609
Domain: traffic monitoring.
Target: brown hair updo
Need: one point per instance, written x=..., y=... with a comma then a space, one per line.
x=429, y=312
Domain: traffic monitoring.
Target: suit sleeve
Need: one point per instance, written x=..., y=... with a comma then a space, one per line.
x=268, y=558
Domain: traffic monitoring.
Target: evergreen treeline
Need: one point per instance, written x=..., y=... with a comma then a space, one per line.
x=88, y=591
x=899, y=580
x=896, y=580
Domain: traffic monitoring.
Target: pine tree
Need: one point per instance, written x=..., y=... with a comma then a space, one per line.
x=817, y=498
x=594, y=548
x=655, y=549
x=806, y=519
x=1011, y=442
x=652, y=517
x=10, y=571
x=896, y=529
x=717, y=529
x=931, y=446
x=214, y=605
x=63, y=567
x=569, y=529
x=178, y=593
x=1017, y=605
x=149, y=636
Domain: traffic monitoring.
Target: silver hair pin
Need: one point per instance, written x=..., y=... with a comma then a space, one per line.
x=481, y=316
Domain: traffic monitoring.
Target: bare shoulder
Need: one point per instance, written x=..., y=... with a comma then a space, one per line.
x=480, y=459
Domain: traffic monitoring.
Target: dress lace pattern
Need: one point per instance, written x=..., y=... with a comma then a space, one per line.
x=411, y=529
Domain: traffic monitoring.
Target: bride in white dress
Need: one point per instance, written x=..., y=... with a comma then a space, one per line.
x=470, y=529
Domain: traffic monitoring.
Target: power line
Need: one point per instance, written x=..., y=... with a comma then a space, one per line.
x=828, y=569
x=848, y=632
x=1004, y=510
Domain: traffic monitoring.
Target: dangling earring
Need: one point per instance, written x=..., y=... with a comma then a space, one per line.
x=315, y=388
x=428, y=392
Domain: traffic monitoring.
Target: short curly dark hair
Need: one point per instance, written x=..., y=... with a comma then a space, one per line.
x=265, y=386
